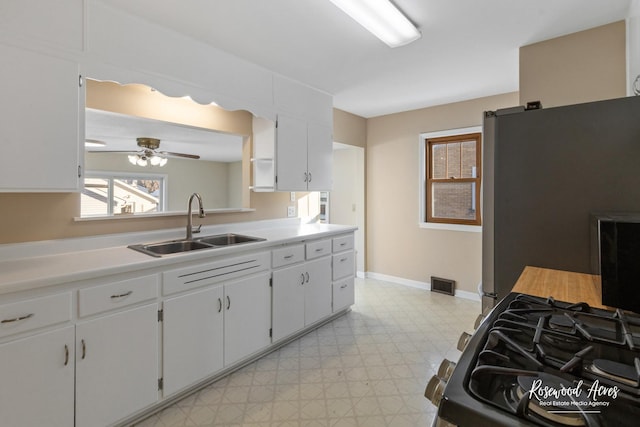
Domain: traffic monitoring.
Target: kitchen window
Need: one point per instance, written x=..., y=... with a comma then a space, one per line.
x=108, y=194
x=452, y=174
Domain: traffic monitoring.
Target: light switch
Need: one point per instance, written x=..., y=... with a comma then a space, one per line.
x=291, y=211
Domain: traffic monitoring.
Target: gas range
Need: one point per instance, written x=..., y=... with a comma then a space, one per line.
x=540, y=362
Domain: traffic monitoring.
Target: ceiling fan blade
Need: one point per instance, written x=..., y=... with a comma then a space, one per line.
x=188, y=156
x=112, y=151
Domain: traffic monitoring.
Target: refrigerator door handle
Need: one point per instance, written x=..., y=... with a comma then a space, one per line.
x=490, y=295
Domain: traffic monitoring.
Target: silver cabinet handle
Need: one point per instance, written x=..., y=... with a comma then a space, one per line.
x=19, y=318
x=228, y=302
x=306, y=177
x=343, y=244
x=309, y=177
x=288, y=256
x=219, y=305
x=319, y=249
x=302, y=277
x=343, y=286
x=343, y=259
x=66, y=355
x=307, y=275
x=84, y=349
x=126, y=294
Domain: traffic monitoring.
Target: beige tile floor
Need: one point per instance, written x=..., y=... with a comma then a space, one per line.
x=367, y=368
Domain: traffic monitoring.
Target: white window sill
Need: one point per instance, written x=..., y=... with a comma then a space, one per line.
x=451, y=227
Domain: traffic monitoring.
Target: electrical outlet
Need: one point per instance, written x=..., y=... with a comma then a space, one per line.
x=292, y=196
x=291, y=211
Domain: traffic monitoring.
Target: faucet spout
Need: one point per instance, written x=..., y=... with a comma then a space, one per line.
x=190, y=228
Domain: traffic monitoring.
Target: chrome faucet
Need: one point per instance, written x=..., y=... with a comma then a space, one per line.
x=190, y=228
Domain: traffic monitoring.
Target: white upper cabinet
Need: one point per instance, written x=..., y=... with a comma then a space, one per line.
x=319, y=157
x=304, y=140
x=43, y=23
x=303, y=155
x=40, y=134
x=46, y=45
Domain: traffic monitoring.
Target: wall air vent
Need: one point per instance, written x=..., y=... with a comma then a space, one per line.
x=443, y=286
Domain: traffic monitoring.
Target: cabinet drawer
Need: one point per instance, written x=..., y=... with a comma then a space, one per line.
x=287, y=255
x=118, y=294
x=343, y=243
x=343, y=294
x=343, y=265
x=318, y=248
x=35, y=313
x=183, y=279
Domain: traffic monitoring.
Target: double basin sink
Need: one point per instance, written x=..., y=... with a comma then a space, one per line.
x=187, y=245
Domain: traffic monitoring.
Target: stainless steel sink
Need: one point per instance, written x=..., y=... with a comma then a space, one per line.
x=186, y=245
x=228, y=239
x=171, y=247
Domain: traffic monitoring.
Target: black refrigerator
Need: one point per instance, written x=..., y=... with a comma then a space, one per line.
x=545, y=170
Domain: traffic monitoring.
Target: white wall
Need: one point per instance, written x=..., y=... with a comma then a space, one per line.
x=346, y=200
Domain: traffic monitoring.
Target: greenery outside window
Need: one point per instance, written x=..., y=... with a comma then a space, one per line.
x=453, y=173
x=107, y=194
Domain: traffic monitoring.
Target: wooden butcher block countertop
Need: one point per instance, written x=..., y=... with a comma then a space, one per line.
x=561, y=285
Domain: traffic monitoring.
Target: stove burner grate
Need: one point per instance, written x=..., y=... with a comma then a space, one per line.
x=617, y=371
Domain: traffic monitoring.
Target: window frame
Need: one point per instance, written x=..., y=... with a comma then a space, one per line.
x=111, y=176
x=425, y=219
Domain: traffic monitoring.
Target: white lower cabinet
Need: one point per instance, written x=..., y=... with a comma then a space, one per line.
x=343, y=272
x=116, y=365
x=288, y=301
x=206, y=330
x=301, y=296
x=247, y=317
x=192, y=338
x=37, y=379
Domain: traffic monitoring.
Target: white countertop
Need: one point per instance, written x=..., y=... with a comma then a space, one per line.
x=33, y=265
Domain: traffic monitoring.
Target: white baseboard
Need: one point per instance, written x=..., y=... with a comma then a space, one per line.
x=417, y=284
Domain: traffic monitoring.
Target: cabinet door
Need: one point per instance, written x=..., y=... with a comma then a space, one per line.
x=319, y=157
x=192, y=338
x=247, y=317
x=288, y=301
x=291, y=154
x=37, y=380
x=40, y=130
x=116, y=365
x=317, y=290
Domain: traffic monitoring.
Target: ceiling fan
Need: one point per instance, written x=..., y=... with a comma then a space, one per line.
x=148, y=153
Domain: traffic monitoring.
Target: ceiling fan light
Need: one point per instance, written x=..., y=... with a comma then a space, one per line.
x=155, y=160
x=163, y=161
x=382, y=19
x=142, y=161
x=133, y=159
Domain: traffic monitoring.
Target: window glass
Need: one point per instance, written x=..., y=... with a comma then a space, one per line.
x=453, y=179
x=105, y=195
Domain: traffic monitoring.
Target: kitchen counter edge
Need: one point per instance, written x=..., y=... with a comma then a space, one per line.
x=51, y=267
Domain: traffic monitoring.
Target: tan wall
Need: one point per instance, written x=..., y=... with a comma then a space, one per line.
x=581, y=67
x=349, y=128
x=396, y=245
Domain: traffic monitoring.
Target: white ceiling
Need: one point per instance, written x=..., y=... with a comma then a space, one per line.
x=468, y=49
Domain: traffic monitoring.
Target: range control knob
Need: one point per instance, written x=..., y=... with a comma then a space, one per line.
x=439, y=422
x=446, y=369
x=463, y=341
x=478, y=321
x=435, y=390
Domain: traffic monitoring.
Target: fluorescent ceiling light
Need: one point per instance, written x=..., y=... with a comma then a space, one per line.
x=382, y=19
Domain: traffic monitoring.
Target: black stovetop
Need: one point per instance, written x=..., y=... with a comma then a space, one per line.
x=540, y=362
